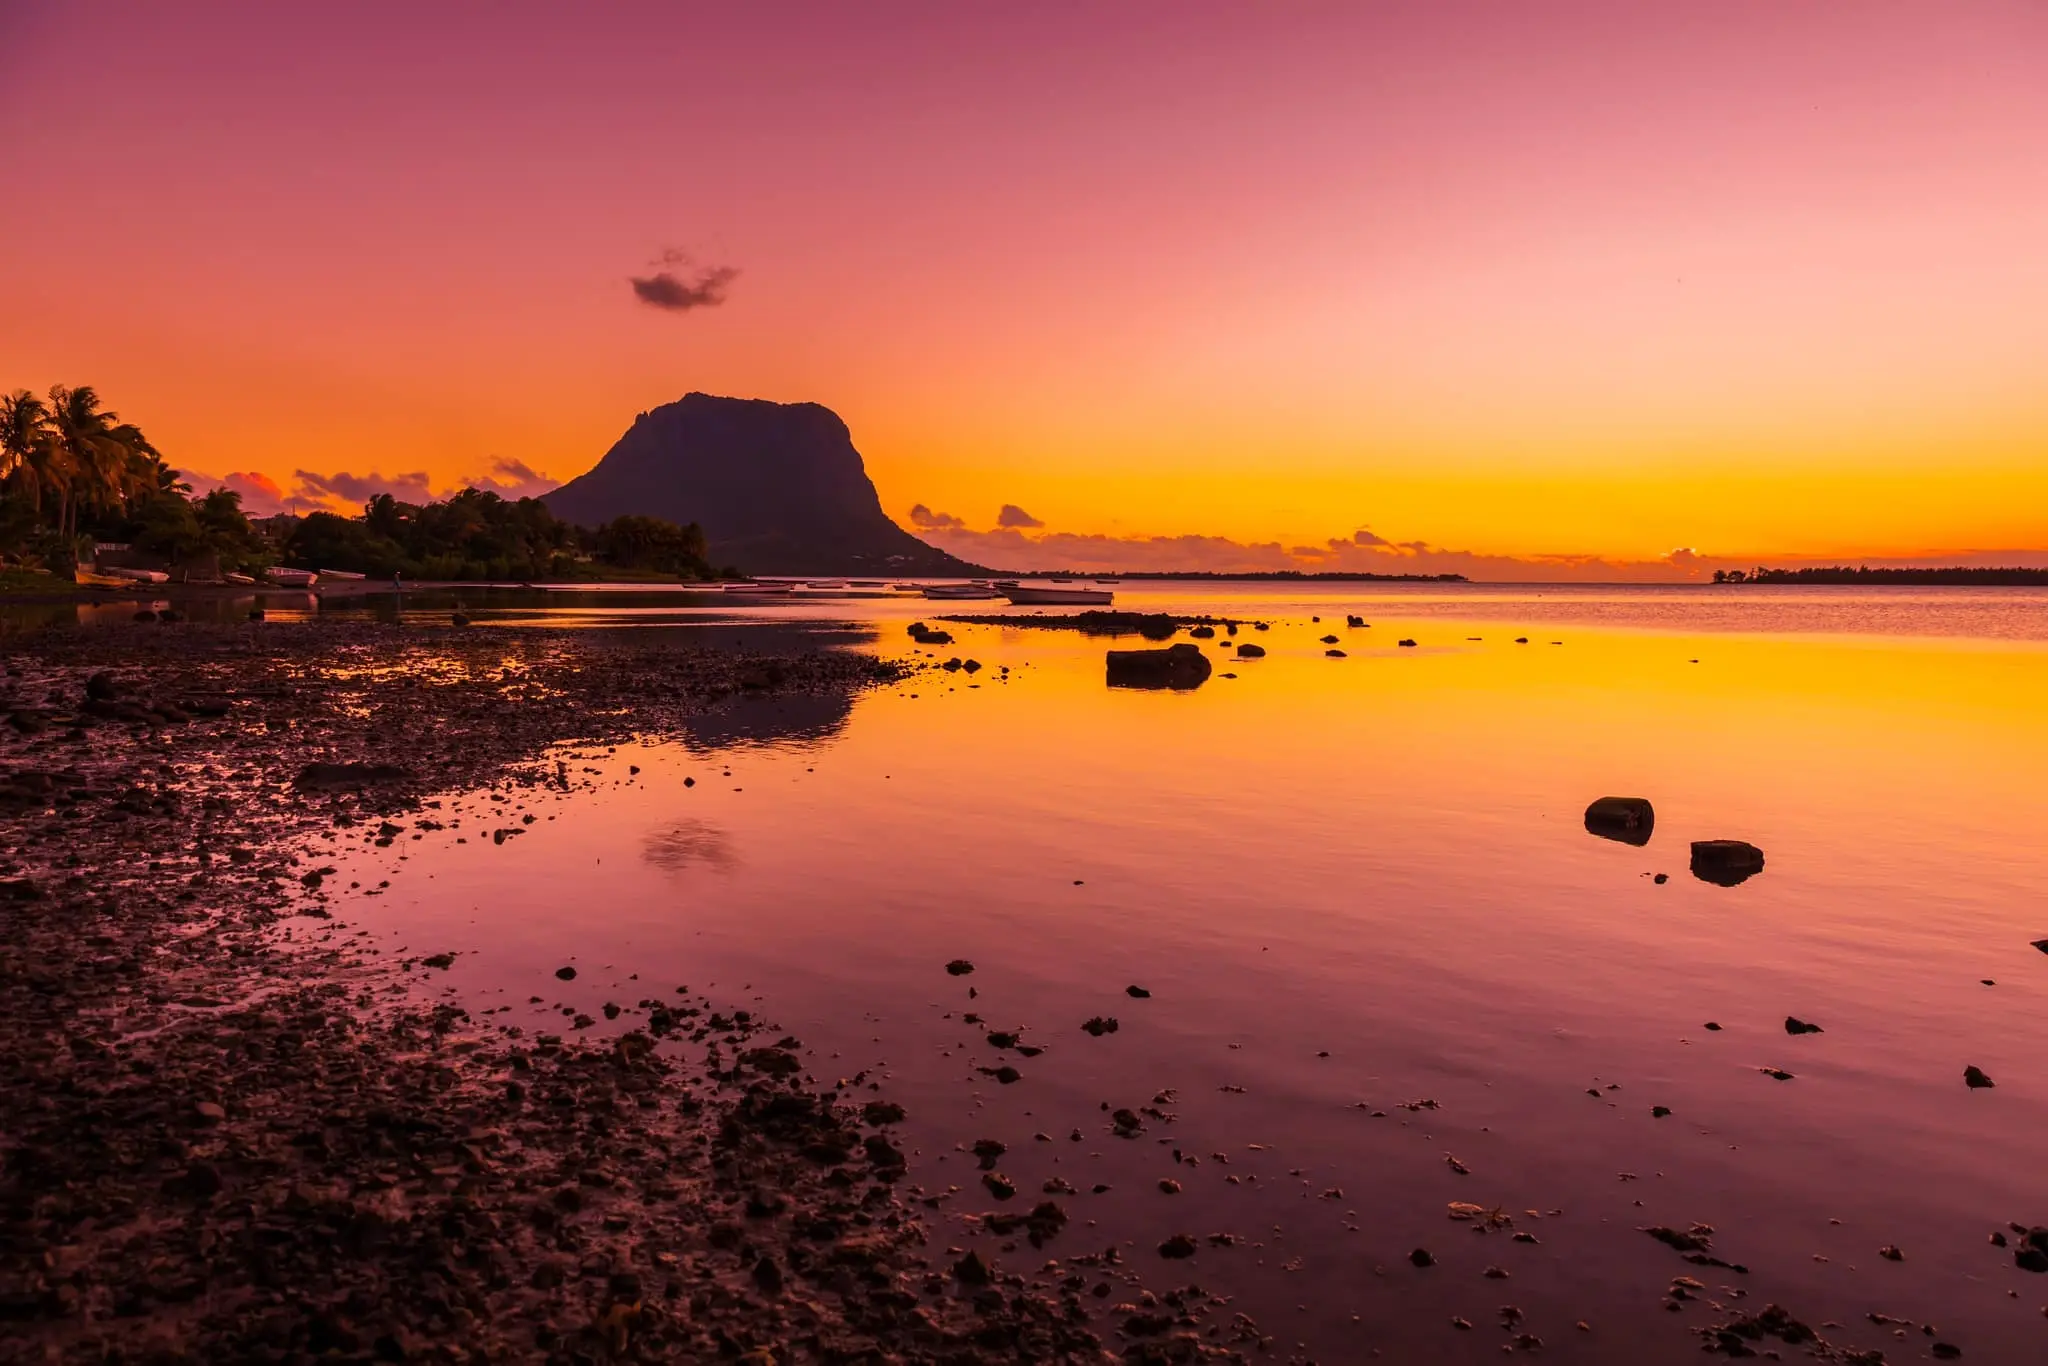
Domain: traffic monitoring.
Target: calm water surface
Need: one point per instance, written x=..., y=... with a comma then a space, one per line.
x=1356, y=884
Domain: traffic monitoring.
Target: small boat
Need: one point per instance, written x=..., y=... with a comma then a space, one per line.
x=291, y=578
x=907, y=587
x=340, y=574
x=865, y=583
x=827, y=583
x=760, y=587
x=243, y=579
x=1059, y=597
x=1109, y=580
x=137, y=575
x=86, y=578
x=960, y=592
x=1059, y=580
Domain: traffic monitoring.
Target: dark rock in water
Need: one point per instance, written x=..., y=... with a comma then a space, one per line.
x=1726, y=863
x=1261, y=626
x=1354, y=621
x=972, y=666
x=971, y=1270
x=2042, y=945
x=1659, y=1111
x=1335, y=654
x=1405, y=644
x=952, y=665
x=458, y=619
x=566, y=974
x=1661, y=879
x=103, y=687
x=1421, y=1256
x=1329, y=640
x=1795, y=1025
x=145, y=615
x=1974, y=1078
x=1202, y=632
x=336, y=776
x=959, y=967
x=1713, y=1026
x=1627, y=819
x=1137, y=993
x=778, y=487
x=1178, y=1247
x=1521, y=640
x=1099, y=1025
x=1250, y=651
x=1179, y=667
x=936, y=638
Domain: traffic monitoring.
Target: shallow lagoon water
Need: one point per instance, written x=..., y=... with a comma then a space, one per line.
x=1379, y=858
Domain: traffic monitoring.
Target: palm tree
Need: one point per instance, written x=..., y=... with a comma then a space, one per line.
x=26, y=446
x=107, y=461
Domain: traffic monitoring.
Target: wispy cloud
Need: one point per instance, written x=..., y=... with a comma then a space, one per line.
x=682, y=289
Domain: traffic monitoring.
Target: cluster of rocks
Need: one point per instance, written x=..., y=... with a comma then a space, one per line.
x=231, y=1140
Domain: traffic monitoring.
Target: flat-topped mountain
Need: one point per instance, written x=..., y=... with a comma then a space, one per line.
x=777, y=487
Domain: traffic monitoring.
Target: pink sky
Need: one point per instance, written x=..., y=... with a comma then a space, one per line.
x=1576, y=279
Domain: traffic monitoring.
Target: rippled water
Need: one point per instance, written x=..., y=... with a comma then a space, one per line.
x=1350, y=884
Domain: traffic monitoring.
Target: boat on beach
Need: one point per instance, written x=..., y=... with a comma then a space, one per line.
x=86, y=578
x=291, y=578
x=341, y=574
x=242, y=579
x=1059, y=597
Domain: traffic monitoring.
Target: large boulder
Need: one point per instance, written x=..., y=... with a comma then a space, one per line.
x=1627, y=819
x=1726, y=863
x=1177, y=666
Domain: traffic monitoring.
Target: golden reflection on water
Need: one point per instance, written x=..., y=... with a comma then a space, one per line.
x=1380, y=859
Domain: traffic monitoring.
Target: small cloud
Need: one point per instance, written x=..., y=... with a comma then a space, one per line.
x=1364, y=537
x=681, y=292
x=346, y=492
x=924, y=519
x=1014, y=516
x=261, y=496
x=512, y=479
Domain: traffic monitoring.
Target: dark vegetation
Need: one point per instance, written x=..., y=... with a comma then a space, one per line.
x=1956, y=576
x=74, y=474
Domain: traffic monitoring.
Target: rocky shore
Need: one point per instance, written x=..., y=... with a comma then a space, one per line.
x=233, y=1133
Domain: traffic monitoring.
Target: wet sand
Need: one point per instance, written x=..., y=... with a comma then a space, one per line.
x=235, y=1131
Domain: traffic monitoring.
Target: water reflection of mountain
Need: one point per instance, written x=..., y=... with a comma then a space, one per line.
x=689, y=844
x=769, y=720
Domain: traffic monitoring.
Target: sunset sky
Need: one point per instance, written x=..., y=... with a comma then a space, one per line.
x=1762, y=280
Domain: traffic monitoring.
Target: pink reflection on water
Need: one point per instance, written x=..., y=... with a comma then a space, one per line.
x=1379, y=859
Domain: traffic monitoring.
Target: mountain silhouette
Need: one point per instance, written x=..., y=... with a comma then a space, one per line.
x=777, y=487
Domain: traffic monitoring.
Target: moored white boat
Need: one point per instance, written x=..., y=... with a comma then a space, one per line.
x=960, y=592
x=291, y=578
x=1059, y=597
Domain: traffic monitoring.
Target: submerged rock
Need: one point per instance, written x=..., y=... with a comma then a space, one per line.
x=1631, y=820
x=1795, y=1025
x=1726, y=863
x=1180, y=667
x=1250, y=651
x=1974, y=1078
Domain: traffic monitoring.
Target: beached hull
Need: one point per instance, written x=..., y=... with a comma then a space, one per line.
x=293, y=578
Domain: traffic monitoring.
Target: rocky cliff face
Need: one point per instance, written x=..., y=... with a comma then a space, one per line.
x=777, y=487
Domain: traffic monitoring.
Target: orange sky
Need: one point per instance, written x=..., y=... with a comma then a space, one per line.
x=1592, y=279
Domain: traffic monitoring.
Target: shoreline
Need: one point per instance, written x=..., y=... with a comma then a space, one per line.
x=236, y=1135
